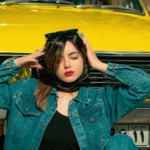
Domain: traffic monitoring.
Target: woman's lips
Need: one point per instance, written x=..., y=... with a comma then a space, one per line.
x=69, y=73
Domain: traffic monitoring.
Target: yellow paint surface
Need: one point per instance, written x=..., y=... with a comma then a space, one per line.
x=22, y=28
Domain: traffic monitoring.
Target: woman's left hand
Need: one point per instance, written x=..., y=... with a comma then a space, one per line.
x=93, y=61
x=92, y=58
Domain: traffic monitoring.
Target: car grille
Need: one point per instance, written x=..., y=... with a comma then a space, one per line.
x=139, y=60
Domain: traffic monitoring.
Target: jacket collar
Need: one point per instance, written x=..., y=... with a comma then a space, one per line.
x=82, y=95
x=53, y=91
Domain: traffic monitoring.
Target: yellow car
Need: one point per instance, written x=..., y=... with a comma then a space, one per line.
x=118, y=31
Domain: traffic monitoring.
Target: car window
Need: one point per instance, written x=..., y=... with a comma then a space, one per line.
x=147, y=4
x=117, y=5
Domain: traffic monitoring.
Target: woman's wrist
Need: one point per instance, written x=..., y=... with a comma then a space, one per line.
x=16, y=61
x=101, y=66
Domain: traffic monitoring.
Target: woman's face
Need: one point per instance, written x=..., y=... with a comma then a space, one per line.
x=71, y=64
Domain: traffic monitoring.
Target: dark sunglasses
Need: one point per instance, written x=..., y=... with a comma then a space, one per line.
x=67, y=34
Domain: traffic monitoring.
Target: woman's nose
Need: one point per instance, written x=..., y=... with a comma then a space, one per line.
x=66, y=63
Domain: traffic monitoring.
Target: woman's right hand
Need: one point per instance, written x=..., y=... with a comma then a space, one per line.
x=30, y=61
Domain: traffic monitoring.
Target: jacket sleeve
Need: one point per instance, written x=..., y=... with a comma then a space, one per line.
x=7, y=71
x=122, y=98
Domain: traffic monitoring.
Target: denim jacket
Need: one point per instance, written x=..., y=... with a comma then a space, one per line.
x=91, y=112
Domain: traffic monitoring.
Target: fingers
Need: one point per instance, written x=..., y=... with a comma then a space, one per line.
x=82, y=37
x=34, y=57
x=41, y=49
x=85, y=41
x=30, y=61
x=38, y=66
x=33, y=63
x=38, y=53
x=92, y=58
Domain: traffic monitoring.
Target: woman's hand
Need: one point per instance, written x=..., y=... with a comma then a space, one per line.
x=93, y=61
x=30, y=61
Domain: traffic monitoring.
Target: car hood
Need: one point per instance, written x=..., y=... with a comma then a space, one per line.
x=22, y=28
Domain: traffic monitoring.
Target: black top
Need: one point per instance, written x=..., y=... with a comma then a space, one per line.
x=59, y=134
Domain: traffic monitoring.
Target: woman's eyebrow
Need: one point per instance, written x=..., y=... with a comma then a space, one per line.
x=73, y=53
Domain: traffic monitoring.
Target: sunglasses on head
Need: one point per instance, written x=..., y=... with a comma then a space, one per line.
x=67, y=34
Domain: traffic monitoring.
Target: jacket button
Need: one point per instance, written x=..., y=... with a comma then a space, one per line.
x=55, y=103
x=41, y=124
x=26, y=109
x=113, y=65
x=31, y=148
x=92, y=119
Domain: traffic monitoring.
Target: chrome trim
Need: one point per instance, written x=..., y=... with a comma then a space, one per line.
x=34, y=2
x=12, y=54
x=144, y=146
x=97, y=52
x=123, y=53
x=136, y=116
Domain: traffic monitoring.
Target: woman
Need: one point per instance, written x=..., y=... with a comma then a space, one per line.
x=60, y=111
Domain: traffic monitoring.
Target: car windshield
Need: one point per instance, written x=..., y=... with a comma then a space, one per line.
x=132, y=6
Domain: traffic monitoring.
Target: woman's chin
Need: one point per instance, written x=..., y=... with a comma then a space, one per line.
x=69, y=80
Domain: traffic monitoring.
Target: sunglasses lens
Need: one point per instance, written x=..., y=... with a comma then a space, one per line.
x=70, y=33
x=67, y=34
x=52, y=36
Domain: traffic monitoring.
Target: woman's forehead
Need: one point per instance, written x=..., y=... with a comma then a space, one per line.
x=70, y=48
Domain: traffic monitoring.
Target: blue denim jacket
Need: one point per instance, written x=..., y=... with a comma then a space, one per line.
x=91, y=112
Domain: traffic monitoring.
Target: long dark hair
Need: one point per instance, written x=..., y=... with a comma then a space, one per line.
x=54, y=50
x=53, y=53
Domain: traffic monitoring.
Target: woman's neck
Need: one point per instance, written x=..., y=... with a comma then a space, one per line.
x=67, y=94
x=63, y=101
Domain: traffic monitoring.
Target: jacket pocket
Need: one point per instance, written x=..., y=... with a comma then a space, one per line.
x=27, y=106
x=92, y=115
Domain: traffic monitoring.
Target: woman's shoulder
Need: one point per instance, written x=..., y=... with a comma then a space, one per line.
x=25, y=85
x=29, y=84
x=31, y=81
